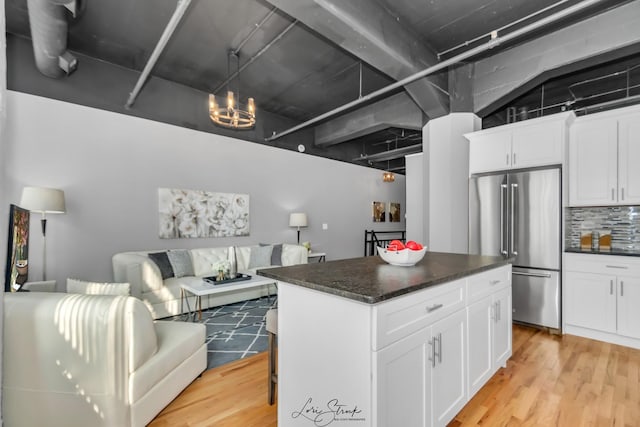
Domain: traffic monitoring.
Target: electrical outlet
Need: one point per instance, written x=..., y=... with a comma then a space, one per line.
x=325, y=226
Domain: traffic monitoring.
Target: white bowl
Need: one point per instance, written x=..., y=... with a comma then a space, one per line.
x=404, y=258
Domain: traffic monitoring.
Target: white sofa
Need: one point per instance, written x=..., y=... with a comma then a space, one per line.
x=92, y=360
x=162, y=297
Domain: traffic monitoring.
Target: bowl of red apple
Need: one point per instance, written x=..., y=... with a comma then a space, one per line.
x=402, y=254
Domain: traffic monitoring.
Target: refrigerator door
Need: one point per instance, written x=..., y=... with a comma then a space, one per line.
x=535, y=217
x=488, y=215
x=536, y=297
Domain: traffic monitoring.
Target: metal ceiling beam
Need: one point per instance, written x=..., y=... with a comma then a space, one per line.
x=181, y=8
x=391, y=154
x=365, y=29
x=508, y=74
x=443, y=65
x=396, y=111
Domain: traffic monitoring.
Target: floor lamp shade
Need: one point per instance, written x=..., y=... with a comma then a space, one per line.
x=44, y=201
x=298, y=220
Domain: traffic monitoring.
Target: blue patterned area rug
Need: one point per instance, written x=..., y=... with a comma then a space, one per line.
x=235, y=331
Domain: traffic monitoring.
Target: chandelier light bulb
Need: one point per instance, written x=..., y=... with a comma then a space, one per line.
x=230, y=100
x=251, y=107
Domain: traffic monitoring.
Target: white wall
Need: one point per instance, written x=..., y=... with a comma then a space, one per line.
x=3, y=206
x=110, y=166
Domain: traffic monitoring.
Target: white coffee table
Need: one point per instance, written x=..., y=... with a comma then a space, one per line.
x=203, y=288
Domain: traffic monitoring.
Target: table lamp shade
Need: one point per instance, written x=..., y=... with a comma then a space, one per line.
x=298, y=220
x=43, y=200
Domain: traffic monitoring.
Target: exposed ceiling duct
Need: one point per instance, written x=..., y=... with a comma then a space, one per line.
x=48, y=23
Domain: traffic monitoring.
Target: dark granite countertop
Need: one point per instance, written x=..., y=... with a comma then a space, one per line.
x=371, y=280
x=622, y=252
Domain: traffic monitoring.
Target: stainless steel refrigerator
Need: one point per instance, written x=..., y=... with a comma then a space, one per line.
x=518, y=215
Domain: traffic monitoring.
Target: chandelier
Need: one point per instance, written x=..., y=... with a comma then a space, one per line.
x=388, y=177
x=234, y=115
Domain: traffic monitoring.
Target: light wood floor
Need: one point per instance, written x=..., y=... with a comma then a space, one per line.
x=549, y=381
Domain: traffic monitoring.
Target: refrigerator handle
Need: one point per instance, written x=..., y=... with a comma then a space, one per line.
x=503, y=192
x=514, y=215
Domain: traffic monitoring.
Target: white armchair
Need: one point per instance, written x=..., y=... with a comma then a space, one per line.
x=93, y=360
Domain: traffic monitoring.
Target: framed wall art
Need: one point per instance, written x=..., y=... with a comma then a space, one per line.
x=197, y=213
x=379, y=212
x=394, y=212
x=17, y=267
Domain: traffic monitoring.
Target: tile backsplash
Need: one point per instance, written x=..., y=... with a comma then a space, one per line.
x=622, y=221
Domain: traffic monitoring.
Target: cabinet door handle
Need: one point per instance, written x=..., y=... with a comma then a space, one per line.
x=432, y=357
x=514, y=158
x=499, y=311
x=611, y=287
x=613, y=194
x=622, y=267
x=507, y=159
x=494, y=282
x=439, y=347
x=622, y=191
x=434, y=307
x=621, y=288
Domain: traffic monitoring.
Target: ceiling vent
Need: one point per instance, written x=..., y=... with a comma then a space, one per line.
x=48, y=22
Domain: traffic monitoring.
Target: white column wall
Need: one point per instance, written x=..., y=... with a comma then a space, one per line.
x=415, y=197
x=110, y=166
x=446, y=181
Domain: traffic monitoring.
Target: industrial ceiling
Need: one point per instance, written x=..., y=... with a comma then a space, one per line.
x=300, y=59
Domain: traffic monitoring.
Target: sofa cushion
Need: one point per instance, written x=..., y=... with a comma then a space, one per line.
x=176, y=342
x=180, y=262
x=170, y=290
x=162, y=261
x=205, y=261
x=294, y=254
x=260, y=256
x=143, y=339
x=276, y=254
x=243, y=254
x=75, y=286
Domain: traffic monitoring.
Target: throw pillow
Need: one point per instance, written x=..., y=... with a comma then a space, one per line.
x=162, y=261
x=260, y=256
x=180, y=261
x=276, y=254
x=94, y=288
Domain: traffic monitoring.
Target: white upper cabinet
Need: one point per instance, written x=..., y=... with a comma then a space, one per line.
x=628, y=158
x=535, y=142
x=604, y=150
x=593, y=163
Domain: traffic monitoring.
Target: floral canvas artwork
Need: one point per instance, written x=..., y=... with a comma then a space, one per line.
x=196, y=213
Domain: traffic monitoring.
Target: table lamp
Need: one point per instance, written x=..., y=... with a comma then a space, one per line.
x=43, y=200
x=298, y=220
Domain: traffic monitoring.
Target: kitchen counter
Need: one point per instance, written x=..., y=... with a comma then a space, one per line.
x=618, y=252
x=372, y=280
x=365, y=343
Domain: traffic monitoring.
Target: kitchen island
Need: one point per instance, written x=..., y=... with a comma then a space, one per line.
x=364, y=343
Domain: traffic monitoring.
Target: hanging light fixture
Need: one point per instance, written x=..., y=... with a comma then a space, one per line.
x=234, y=115
x=386, y=175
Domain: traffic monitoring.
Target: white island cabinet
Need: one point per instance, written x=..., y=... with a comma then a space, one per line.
x=404, y=361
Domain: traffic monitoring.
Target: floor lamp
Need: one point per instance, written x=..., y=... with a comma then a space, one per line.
x=298, y=220
x=43, y=200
